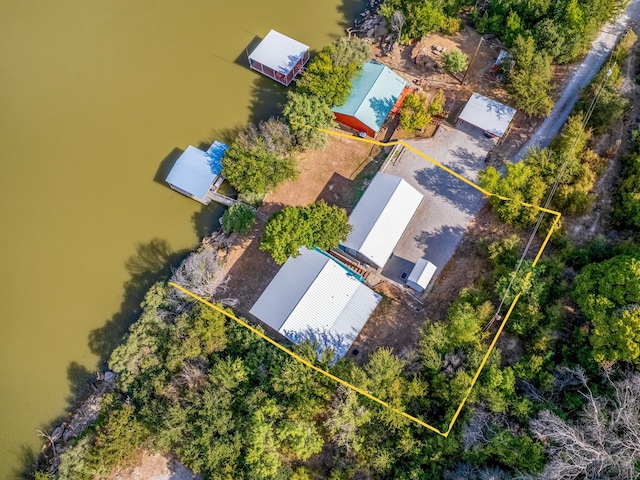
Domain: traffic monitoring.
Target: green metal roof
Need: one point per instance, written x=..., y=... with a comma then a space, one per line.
x=374, y=92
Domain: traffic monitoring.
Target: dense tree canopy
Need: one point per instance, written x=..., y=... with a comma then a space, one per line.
x=260, y=158
x=531, y=180
x=609, y=295
x=316, y=225
x=238, y=218
x=423, y=17
x=562, y=30
x=530, y=79
x=328, y=76
x=305, y=114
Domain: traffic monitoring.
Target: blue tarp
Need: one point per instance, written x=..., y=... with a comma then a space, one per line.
x=195, y=171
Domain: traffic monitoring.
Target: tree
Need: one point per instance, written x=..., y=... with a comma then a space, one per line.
x=414, y=115
x=238, y=218
x=305, y=115
x=530, y=79
x=454, y=61
x=437, y=104
x=602, y=442
x=609, y=293
x=627, y=210
x=328, y=76
x=256, y=169
x=272, y=135
x=315, y=225
x=201, y=273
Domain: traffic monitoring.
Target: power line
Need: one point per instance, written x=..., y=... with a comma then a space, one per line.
x=554, y=188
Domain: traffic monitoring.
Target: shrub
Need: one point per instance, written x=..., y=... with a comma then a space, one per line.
x=238, y=219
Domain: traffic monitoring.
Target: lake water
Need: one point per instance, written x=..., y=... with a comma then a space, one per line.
x=97, y=99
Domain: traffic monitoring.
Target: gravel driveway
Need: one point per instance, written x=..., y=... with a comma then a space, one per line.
x=449, y=204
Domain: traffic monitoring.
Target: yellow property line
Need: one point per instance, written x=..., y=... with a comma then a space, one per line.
x=493, y=342
x=302, y=359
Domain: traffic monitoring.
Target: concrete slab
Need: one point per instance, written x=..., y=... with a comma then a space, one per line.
x=449, y=204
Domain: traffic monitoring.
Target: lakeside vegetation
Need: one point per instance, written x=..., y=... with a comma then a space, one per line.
x=192, y=383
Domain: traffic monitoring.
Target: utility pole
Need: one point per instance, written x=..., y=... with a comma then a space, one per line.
x=472, y=59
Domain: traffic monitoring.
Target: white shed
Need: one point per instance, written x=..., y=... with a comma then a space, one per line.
x=380, y=218
x=487, y=114
x=421, y=274
x=315, y=297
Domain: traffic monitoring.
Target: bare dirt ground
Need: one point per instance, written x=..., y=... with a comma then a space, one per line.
x=154, y=467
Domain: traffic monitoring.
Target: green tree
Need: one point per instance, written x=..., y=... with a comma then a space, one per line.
x=328, y=76
x=238, y=218
x=454, y=61
x=315, y=225
x=627, y=211
x=305, y=115
x=530, y=79
x=256, y=169
x=609, y=293
x=437, y=104
x=414, y=115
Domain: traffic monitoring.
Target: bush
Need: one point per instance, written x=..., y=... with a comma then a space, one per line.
x=454, y=61
x=414, y=115
x=238, y=219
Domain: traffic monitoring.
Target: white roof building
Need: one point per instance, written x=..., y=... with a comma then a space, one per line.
x=487, y=114
x=279, y=57
x=380, y=218
x=421, y=274
x=313, y=296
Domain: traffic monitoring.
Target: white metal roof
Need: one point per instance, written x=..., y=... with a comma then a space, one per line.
x=487, y=114
x=421, y=275
x=195, y=171
x=313, y=296
x=381, y=216
x=279, y=52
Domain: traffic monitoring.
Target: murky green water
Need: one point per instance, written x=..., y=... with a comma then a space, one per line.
x=94, y=99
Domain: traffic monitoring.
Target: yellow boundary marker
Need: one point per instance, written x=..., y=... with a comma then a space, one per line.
x=353, y=387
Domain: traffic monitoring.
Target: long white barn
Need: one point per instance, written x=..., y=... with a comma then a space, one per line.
x=315, y=297
x=380, y=218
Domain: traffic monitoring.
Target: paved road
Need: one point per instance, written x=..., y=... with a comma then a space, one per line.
x=590, y=65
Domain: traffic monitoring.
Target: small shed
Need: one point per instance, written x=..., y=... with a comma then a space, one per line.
x=421, y=274
x=198, y=174
x=315, y=297
x=487, y=114
x=374, y=94
x=279, y=57
x=380, y=218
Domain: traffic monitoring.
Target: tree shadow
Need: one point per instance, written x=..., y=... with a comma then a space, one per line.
x=267, y=99
x=463, y=197
x=80, y=378
x=151, y=263
x=28, y=460
x=207, y=219
x=349, y=9
x=337, y=191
